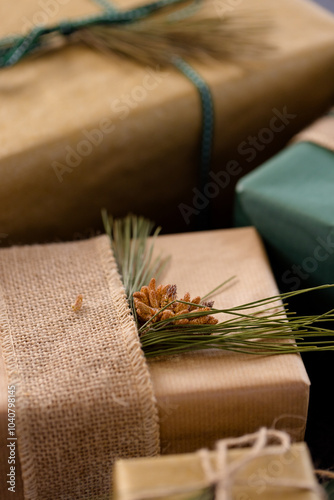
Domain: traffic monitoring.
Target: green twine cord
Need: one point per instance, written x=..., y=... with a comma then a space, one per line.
x=14, y=48
x=105, y=5
x=201, y=86
x=207, y=115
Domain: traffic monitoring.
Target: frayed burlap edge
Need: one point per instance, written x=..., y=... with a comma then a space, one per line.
x=135, y=353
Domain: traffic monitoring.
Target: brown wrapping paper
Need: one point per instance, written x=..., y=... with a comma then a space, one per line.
x=133, y=477
x=72, y=108
x=203, y=397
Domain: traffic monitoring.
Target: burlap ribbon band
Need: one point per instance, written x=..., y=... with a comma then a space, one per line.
x=79, y=376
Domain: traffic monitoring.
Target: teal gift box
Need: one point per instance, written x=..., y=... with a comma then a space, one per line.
x=290, y=200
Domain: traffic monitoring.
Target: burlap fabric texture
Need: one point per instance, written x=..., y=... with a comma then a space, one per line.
x=83, y=392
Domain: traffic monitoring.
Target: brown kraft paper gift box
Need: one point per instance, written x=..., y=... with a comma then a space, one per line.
x=116, y=128
x=205, y=396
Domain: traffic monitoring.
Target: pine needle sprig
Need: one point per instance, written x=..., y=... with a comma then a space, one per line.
x=132, y=251
x=158, y=40
x=268, y=331
x=264, y=326
x=197, y=32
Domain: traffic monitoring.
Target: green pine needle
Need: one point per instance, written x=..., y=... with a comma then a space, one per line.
x=269, y=328
x=133, y=252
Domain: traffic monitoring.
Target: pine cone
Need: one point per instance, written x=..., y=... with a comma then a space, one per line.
x=150, y=301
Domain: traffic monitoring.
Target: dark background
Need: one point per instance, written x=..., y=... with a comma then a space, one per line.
x=320, y=428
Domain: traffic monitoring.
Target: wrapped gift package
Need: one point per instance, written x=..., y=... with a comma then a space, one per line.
x=84, y=393
x=82, y=130
x=180, y=477
x=227, y=401
x=290, y=201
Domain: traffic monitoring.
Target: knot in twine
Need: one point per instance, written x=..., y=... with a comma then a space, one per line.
x=224, y=476
x=14, y=48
